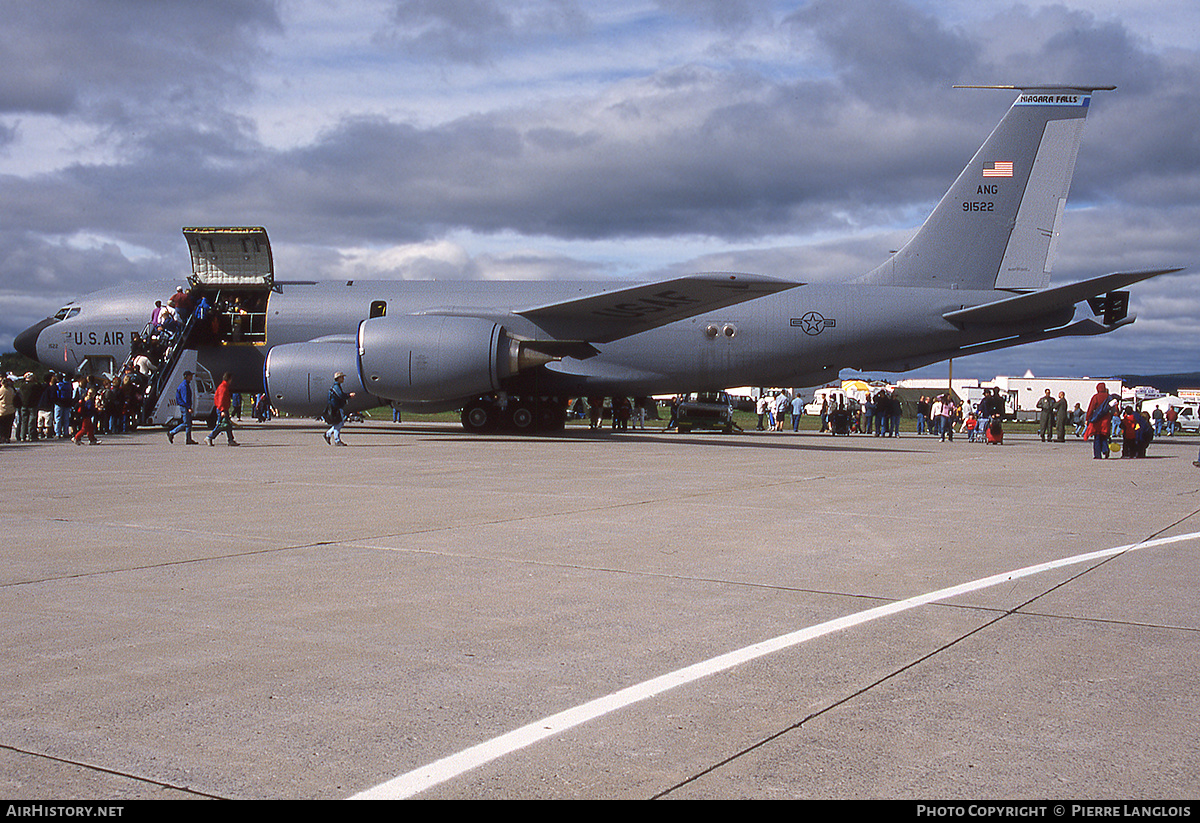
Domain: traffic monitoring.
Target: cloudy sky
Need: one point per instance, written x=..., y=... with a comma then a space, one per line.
x=419, y=139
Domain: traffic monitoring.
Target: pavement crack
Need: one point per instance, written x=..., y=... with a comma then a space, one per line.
x=163, y=565
x=115, y=772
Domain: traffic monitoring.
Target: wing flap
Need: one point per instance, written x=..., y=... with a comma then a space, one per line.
x=612, y=315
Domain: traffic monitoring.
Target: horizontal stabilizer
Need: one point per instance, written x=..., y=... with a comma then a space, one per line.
x=1034, y=304
x=612, y=315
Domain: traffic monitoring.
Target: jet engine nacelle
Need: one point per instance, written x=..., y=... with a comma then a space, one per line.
x=435, y=358
x=299, y=375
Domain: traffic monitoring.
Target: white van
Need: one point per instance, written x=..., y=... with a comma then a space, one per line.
x=1189, y=417
x=1189, y=413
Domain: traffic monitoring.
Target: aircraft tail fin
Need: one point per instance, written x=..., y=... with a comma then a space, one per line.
x=997, y=227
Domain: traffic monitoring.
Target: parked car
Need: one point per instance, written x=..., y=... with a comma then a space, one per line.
x=705, y=410
x=1189, y=420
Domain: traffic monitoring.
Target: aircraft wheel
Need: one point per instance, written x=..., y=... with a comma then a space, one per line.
x=521, y=417
x=479, y=416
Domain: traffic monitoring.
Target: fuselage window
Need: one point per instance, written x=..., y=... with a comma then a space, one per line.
x=378, y=308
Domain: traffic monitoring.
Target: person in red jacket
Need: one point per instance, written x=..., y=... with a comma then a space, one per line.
x=1099, y=419
x=221, y=399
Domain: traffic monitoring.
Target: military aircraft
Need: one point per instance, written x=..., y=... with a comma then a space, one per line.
x=974, y=278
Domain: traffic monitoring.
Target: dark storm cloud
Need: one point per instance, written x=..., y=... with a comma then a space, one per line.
x=880, y=46
x=61, y=56
x=152, y=83
x=1144, y=149
x=179, y=173
x=681, y=160
x=685, y=151
x=61, y=267
x=688, y=150
x=39, y=275
x=1064, y=46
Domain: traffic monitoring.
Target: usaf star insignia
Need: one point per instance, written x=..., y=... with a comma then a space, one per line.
x=813, y=322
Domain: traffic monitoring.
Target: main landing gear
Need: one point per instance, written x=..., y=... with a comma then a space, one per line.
x=525, y=415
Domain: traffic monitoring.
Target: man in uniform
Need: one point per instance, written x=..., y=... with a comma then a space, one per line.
x=1046, y=418
x=1060, y=416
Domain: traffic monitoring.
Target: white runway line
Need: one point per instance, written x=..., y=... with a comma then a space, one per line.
x=426, y=777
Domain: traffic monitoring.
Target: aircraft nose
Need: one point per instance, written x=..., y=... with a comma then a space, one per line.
x=26, y=341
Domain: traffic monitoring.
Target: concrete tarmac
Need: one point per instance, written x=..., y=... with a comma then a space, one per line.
x=292, y=620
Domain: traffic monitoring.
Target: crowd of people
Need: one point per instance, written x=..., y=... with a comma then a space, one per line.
x=943, y=414
x=773, y=411
x=64, y=408
x=81, y=408
x=880, y=413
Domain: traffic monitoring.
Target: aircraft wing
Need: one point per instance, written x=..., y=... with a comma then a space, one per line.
x=1024, y=306
x=612, y=315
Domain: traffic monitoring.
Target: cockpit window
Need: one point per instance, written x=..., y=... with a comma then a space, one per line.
x=65, y=312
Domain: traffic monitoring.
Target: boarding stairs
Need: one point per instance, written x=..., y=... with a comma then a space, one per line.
x=161, y=379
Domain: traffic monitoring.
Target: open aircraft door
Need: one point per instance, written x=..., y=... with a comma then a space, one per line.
x=232, y=266
x=232, y=256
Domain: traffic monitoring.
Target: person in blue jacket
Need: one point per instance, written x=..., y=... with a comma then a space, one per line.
x=335, y=411
x=63, y=397
x=185, y=401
